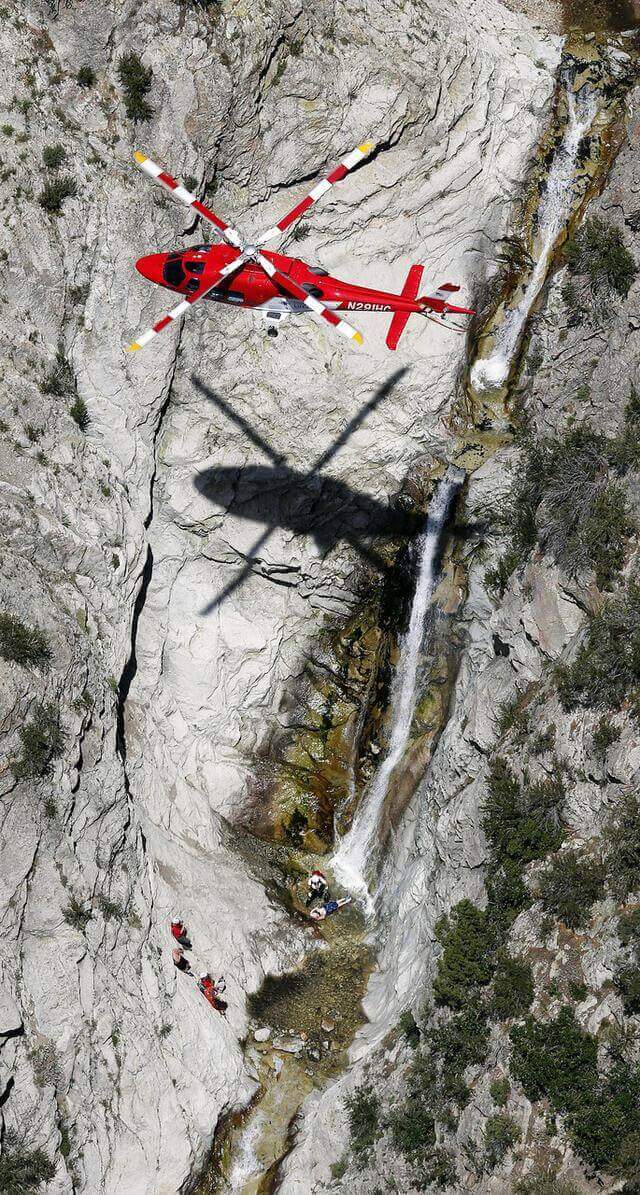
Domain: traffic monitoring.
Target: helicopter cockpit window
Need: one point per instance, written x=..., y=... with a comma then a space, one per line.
x=192, y=285
x=172, y=271
x=196, y=267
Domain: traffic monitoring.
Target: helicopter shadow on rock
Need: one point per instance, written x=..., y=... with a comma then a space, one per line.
x=307, y=502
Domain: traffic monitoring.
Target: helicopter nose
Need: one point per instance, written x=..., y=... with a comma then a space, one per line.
x=152, y=266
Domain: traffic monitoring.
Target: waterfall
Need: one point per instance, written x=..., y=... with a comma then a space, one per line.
x=492, y=372
x=353, y=862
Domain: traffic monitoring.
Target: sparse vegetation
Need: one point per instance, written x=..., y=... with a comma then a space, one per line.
x=60, y=380
x=546, y=1182
x=566, y=498
x=110, y=908
x=23, y=644
x=522, y=822
x=53, y=156
x=622, y=848
x=79, y=413
x=409, y=1029
x=86, y=76
x=467, y=960
x=627, y=984
x=597, y=251
x=42, y=741
x=501, y=1134
x=77, y=914
x=500, y=1090
x=606, y=671
x=135, y=79
x=513, y=988
x=604, y=736
x=555, y=1059
x=558, y=1060
x=22, y=1169
x=55, y=192
x=570, y=885
x=363, y=1108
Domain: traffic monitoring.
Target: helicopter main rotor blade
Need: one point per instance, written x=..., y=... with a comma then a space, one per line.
x=320, y=189
x=287, y=284
x=187, y=303
x=228, y=233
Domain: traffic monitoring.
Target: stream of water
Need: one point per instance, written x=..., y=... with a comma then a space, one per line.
x=492, y=372
x=354, y=862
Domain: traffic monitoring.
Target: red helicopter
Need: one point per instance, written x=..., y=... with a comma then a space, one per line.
x=238, y=273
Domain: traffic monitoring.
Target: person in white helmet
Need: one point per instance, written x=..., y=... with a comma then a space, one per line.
x=180, y=933
x=317, y=887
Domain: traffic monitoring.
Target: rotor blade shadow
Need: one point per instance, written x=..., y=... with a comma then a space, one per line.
x=240, y=576
x=354, y=424
x=244, y=425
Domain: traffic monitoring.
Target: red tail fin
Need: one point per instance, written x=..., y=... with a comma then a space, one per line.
x=399, y=321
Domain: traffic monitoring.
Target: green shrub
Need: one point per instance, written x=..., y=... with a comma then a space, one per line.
x=513, y=988
x=507, y=894
x=570, y=886
x=55, y=193
x=468, y=954
x=606, y=670
x=21, y=1169
x=629, y=930
x=413, y=1128
x=578, y=991
x=23, y=644
x=79, y=413
x=363, y=1108
x=555, y=1059
x=627, y=451
x=604, y=736
x=42, y=741
x=135, y=79
x=53, y=156
x=457, y=1043
x=598, y=251
x=500, y=1090
x=544, y=742
x=110, y=908
x=522, y=822
x=627, y=984
x=61, y=379
x=409, y=1029
x=500, y=1135
x=546, y=1182
x=564, y=498
x=622, y=848
x=606, y=1126
x=77, y=914
x=86, y=76
x=513, y=719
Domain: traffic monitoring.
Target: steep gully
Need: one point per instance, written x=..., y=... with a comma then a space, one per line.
x=585, y=132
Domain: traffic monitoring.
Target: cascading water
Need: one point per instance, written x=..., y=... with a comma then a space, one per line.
x=492, y=372
x=354, y=861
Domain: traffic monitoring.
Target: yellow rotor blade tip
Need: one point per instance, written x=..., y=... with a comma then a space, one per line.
x=139, y=157
x=366, y=146
x=131, y=348
x=358, y=338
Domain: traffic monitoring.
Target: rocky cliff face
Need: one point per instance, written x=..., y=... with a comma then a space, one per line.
x=134, y=728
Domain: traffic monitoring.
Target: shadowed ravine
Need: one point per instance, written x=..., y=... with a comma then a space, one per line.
x=250, y=1146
